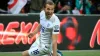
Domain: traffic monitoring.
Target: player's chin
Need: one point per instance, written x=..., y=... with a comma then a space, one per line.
x=49, y=15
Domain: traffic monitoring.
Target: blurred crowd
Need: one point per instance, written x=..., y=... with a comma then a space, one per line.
x=61, y=6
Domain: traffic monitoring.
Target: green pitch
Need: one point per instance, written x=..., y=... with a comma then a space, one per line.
x=82, y=53
x=65, y=53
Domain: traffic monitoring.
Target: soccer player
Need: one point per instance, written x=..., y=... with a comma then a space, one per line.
x=49, y=28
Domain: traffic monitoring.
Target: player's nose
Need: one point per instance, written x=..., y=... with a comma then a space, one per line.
x=50, y=11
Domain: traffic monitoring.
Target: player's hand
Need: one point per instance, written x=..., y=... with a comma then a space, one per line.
x=30, y=35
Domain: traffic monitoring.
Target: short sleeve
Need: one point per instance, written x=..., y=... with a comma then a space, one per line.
x=56, y=26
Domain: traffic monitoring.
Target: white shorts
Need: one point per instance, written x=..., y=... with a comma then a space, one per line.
x=38, y=49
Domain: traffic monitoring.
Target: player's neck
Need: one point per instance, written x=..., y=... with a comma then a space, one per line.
x=48, y=17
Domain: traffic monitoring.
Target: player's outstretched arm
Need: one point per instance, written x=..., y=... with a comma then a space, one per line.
x=35, y=31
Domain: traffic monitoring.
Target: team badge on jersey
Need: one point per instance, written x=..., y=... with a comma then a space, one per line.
x=49, y=25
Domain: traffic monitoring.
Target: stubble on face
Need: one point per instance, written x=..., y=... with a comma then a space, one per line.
x=49, y=10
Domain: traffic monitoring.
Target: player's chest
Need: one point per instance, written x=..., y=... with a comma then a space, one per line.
x=48, y=26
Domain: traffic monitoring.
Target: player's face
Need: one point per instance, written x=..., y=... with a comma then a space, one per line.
x=49, y=10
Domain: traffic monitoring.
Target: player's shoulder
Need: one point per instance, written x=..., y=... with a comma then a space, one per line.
x=56, y=18
x=42, y=13
x=54, y=15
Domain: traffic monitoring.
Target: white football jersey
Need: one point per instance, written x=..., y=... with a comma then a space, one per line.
x=48, y=27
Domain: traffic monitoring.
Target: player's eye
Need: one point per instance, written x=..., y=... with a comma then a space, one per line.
x=52, y=9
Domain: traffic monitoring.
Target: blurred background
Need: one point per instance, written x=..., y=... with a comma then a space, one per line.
x=61, y=6
x=80, y=24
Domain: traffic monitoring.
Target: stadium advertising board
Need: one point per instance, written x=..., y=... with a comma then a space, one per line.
x=76, y=32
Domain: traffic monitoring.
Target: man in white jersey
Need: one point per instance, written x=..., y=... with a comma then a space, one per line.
x=49, y=28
